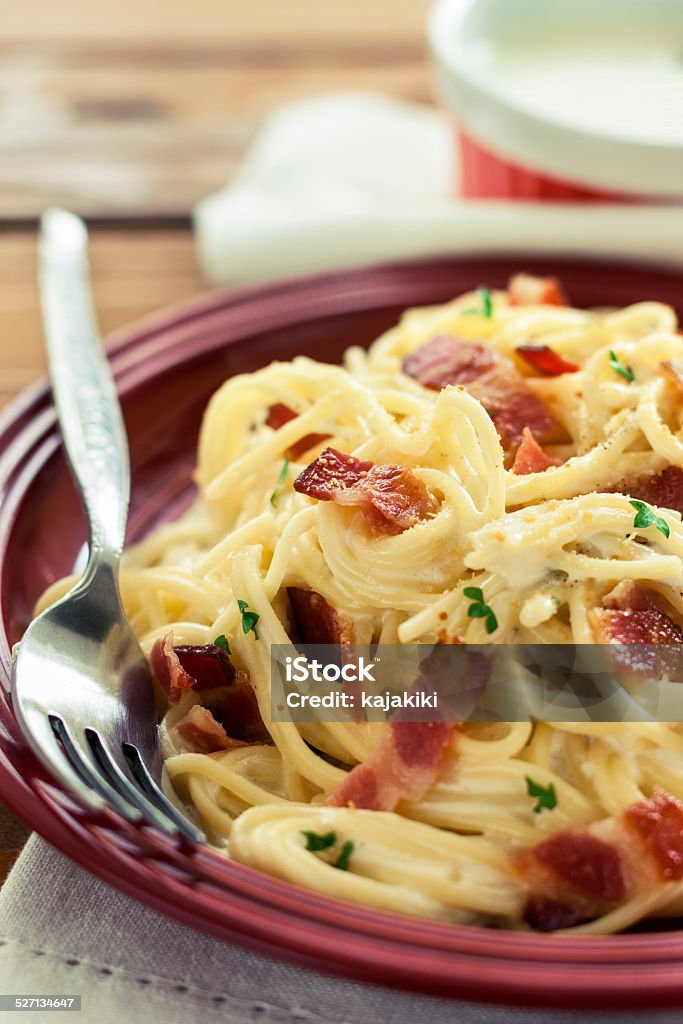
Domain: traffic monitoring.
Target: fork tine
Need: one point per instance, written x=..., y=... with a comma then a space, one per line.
x=89, y=776
x=119, y=780
x=156, y=796
x=40, y=732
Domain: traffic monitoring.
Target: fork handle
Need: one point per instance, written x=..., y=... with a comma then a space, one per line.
x=82, y=382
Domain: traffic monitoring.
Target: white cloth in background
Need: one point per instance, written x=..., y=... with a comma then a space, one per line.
x=350, y=178
x=333, y=181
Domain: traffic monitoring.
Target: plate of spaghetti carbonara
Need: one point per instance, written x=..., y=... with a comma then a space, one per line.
x=502, y=466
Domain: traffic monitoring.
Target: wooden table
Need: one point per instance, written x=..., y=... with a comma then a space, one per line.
x=129, y=113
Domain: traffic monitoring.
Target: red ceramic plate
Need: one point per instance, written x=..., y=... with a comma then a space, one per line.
x=166, y=370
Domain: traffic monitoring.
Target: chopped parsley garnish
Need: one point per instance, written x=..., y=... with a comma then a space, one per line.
x=342, y=861
x=315, y=841
x=486, y=305
x=480, y=610
x=556, y=602
x=249, y=619
x=222, y=642
x=545, y=796
x=645, y=516
x=624, y=371
x=280, y=480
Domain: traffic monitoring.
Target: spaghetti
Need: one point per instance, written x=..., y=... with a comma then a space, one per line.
x=524, y=438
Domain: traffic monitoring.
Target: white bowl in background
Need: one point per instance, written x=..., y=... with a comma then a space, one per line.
x=564, y=98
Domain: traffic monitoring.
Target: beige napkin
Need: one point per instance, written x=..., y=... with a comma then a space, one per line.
x=66, y=933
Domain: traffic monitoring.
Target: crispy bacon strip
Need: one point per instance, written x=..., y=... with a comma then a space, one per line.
x=586, y=863
x=169, y=671
x=578, y=874
x=529, y=290
x=633, y=617
x=512, y=406
x=663, y=489
x=208, y=665
x=546, y=360
x=180, y=668
x=202, y=734
x=658, y=825
x=530, y=457
x=208, y=671
x=490, y=378
x=316, y=621
x=391, y=498
x=446, y=360
x=547, y=915
x=278, y=415
x=236, y=708
x=403, y=766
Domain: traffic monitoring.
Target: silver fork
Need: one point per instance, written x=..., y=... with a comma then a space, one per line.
x=81, y=687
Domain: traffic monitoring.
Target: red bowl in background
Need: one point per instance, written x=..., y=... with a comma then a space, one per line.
x=166, y=368
x=488, y=175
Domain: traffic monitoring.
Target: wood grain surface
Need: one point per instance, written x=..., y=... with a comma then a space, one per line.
x=130, y=112
x=139, y=109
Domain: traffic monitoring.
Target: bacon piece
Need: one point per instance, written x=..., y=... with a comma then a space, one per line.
x=316, y=621
x=236, y=708
x=209, y=665
x=530, y=457
x=663, y=489
x=545, y=359
x=529, y=290
x=446, y=360
x=633, y=617
x=578, y=874
x=547, y=915
x=586, y=863
x=278, y=415
x=202, y=666
x=490, y=378
x=403, y=766
x=391, y=498
x=512, y=405
x=202, y=734
x=331, y=474
x=168, y=670
x=658, y=824
x=205, y=668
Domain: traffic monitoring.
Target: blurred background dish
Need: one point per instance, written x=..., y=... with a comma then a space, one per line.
x=565, y=100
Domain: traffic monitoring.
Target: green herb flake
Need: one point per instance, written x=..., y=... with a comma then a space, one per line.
x=624, y=371
x=249, y=619
x=545, y=796
x=480, y=610
x=222, y=642
x=646, y=516
x=280, y=481
x=316, y=842
x=486, y=309
x=342, y=861
x=557, y=604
